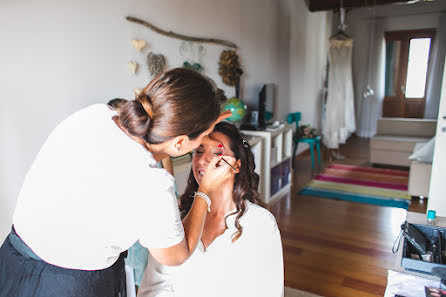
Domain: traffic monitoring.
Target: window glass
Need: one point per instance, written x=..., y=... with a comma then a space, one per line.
x=393, y=52
x=417, y=67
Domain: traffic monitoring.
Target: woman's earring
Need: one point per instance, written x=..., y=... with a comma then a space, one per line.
x=178, y=147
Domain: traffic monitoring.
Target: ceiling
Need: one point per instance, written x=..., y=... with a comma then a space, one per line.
x=319, y=5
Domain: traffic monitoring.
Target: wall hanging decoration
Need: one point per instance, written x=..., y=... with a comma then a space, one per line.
x=193, y=55
x=156, y=63
x=139, y=44
x=181, y=36
x=194, y=66
x=133, y=66
x=229, y=69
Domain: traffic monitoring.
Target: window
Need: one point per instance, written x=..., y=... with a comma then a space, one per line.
x=417, y=67
x=407, y=63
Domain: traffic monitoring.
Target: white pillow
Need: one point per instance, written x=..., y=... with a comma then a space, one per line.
x=425, y=153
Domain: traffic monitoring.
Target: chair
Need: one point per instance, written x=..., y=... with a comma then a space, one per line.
x=295, y=117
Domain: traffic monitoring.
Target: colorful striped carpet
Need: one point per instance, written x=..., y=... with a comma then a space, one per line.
x=385, y=187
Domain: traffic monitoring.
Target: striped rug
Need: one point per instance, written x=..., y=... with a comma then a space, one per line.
x=385, y=187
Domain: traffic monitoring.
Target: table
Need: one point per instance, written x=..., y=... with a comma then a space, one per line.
x=410, y=283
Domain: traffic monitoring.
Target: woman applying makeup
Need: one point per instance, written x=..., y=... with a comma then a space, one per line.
x=240, y=252
x=94, y=189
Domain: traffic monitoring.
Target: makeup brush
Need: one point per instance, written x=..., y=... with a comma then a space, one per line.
x=229, y=164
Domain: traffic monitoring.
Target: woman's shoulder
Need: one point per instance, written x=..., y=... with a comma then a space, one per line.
x=257, y=216
x=258, y=211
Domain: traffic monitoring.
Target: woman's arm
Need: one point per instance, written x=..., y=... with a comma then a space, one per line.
x=157, y=277
x=193, y=223
x=193, y=227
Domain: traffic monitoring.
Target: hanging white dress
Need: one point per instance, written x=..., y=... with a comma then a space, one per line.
x=339, y=111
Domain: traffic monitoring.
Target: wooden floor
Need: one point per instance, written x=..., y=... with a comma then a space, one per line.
x=333, y=247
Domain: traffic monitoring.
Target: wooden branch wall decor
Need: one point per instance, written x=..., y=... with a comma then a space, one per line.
x=181, y=36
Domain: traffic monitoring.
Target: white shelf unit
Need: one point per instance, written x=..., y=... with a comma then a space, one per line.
x=276, y=161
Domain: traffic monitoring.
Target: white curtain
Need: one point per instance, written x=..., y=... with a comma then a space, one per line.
x=370, y=107
x=339, y=111
x=435, y=76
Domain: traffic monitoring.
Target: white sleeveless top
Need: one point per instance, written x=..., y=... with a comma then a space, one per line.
x=251, y=266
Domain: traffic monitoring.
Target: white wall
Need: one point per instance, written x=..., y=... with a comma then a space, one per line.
x=59, y=56
x=437, y=197
x=309, y=34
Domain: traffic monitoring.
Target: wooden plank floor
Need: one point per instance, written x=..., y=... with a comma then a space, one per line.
x=337, y=248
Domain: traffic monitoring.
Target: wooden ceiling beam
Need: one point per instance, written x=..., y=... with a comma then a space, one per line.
x=321, y=5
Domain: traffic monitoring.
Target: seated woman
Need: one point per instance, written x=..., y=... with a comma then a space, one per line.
x=240, y=253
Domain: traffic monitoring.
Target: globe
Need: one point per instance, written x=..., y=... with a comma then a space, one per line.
x=237, y=107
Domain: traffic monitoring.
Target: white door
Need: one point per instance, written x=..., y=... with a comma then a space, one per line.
x=437, y=190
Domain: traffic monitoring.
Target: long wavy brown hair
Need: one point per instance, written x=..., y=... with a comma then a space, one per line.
x=245, y=183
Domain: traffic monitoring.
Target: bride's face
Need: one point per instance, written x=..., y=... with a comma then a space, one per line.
x=213, y=145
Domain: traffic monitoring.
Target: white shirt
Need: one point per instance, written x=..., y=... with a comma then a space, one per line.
x=92, y=192
x=251, y=266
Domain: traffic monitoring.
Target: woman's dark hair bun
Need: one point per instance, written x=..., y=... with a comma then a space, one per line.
x=135, y=118
x=177, y=102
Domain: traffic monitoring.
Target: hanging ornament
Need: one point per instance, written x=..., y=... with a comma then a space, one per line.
x=138, y=44
x=229, y=67
x=133, y=66
x=368, y=91
x=193, y=55
x=195, y=66
x=156, y=63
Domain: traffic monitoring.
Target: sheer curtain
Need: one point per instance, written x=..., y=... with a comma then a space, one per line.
x=371, y=106
x=340, y=112
x=435, y=75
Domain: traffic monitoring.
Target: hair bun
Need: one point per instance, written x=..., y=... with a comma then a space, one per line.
x=135, y=118
x=146, y=104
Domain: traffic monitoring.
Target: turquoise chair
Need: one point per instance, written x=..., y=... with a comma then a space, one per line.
x=295, y=117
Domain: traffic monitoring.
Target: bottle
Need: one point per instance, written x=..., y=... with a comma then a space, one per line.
x=431, y=214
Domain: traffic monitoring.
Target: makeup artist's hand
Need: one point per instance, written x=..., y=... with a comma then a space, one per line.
x=217, y=173
x=224, y=115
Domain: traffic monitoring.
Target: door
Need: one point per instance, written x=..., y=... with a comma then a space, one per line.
x=407, y=65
